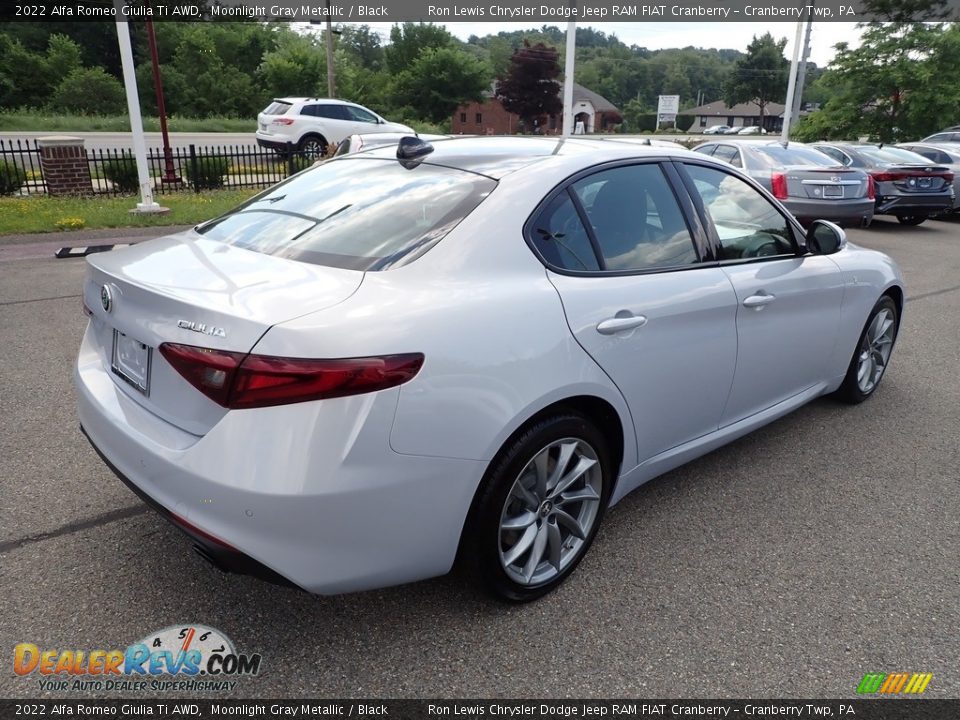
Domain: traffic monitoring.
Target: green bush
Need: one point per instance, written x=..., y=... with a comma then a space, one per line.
x=12, y=178
x=122, y=172
x=89, y=91
x=209, y=172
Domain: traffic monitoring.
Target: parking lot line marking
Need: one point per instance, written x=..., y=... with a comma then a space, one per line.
x=74, y=527
x=55, y=297
x=933, y=293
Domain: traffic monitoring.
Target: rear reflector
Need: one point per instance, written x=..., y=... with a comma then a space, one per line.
x=871, y=188
x=778, y=183
x=237, y=380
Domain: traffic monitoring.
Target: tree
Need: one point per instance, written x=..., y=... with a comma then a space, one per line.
x=408, y=40
x=530, y=88
x=760, y=77
x=900, y=83
x=439, y=80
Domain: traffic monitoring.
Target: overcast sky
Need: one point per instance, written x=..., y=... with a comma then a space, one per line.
x=655, y=36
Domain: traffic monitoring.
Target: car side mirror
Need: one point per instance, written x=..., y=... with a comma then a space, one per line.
x=825, y=238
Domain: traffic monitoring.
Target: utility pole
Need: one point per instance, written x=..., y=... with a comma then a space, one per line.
x=331, y=77
x=802, y=70
x=791, y=86
x=568, y=77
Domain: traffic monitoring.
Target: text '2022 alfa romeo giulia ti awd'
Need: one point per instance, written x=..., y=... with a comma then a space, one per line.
x=464, y=351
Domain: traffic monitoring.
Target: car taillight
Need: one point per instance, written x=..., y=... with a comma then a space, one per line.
x=283, y=121
x=238, y=380
x=890, y=176
x=871, y=188
x=778, y=182
x=948, y=177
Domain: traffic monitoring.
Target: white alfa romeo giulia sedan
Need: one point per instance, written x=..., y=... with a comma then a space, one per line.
x=466, y=351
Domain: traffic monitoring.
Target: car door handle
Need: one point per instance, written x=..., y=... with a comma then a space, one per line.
x=613, y=325
x=759, y=300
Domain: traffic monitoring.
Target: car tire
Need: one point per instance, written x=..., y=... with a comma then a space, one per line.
x=524, y=507
x=872, y=354
x=313, y=147
x=911, y=219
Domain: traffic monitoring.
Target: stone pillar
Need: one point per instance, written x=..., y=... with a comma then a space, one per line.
x=65, y=167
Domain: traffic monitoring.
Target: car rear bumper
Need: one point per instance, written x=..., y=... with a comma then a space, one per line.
x=914, y=204
x=274, y=144
x=854, y=212
x=309, y=493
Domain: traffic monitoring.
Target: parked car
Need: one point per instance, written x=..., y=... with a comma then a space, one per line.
x=311, y=124
x=752, y=130
x=950, y=135
x=418, y=353
x=807, y=182
x=906, y=185
x=717, y=130
x=357, y=142
x=640, y=140
x=945, y=155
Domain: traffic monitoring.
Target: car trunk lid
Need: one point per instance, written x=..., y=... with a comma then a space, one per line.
x=819, y=183
x=192, y=290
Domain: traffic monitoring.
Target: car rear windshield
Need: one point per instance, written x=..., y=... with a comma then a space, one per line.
x=891, y=155
x=277, y=108
x=358, y=214
x=778, y=156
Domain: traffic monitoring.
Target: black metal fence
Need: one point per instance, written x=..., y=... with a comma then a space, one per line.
x=20, y=171
x=184, y=169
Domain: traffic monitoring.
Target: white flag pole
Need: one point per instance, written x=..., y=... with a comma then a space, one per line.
x=147, y=204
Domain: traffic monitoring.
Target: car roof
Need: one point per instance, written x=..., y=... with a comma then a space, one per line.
x=295, y=100
x=498, y=155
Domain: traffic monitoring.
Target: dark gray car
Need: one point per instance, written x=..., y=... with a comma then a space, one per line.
x=810, y=184
x=905, y=184
x=947, y=156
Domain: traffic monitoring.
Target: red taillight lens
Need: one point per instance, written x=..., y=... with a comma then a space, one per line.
x=948, y=177
x=283, y=121
x=778, y=183
x=236, y=381
x=209, y=371
x=871, y=188
x=889, y=176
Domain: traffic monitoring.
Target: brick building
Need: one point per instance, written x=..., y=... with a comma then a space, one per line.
x=594, y=112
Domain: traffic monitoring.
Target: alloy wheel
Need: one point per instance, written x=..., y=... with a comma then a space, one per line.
x=550, y=511
x=875, y=351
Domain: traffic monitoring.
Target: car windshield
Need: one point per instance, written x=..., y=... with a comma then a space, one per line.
x=358, y=214
x=779, y=156
x=891, y=155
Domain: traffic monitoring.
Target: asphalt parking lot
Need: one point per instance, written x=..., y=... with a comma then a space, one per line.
x=787, y=564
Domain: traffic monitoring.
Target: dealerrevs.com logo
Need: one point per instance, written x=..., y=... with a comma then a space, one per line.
x=186, y=657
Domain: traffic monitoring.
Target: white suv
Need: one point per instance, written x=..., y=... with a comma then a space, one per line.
x=311, y=124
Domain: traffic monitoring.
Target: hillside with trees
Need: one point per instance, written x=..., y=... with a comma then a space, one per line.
x=420, y=72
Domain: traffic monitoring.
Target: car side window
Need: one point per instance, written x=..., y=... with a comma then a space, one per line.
x=728, y=153
x=748, y=225
x=309, y=110
x=360, y=115
x=561, y=238
x=840, y=157
x=706, y=149
x=635, y=218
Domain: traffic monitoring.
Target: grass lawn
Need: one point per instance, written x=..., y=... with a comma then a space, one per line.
x=20, y=215
x=36, y=121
